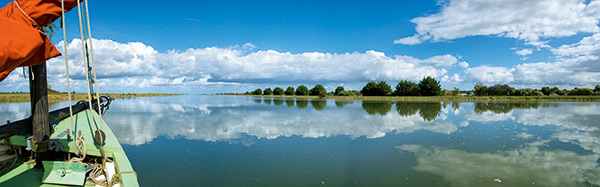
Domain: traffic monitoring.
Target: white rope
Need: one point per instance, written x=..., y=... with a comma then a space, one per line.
x=25, y=13
x=83, y=51
x=64, y=27
x=89, y=31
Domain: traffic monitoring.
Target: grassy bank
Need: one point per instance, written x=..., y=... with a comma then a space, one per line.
x=57, y=97
x=449, y=98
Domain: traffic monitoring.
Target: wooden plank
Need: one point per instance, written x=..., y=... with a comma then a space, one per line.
x=123, y=166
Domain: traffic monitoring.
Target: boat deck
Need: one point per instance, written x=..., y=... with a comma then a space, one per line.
x=24, y=173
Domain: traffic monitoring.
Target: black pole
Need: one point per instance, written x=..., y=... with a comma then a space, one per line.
x=40, y=124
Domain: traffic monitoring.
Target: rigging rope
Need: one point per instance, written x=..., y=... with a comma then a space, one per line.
x=89, y=31
x=84, y=53
x=64, y=27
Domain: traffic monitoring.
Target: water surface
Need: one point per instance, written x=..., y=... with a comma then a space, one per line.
x=197, y=140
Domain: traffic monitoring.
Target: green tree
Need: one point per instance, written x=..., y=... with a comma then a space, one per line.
x=501, y=90
x=581, y=91
x=318, y=90
x=406, y=88
x=380, y=88
x=369, y=89
x=289, y=90
x=302, y=90
x=258, y=91
x=430, y=87
x=338, y=90
x=546, y=90
x=480, y=89
x=278, y=91
x=267, y=91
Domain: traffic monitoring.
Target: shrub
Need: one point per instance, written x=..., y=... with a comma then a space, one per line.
x=377, y=89
x=338, y=90
x=581, y=91
x=318, y=90
x=430, y=87
x=406, y=88
x=258, y=91
x=289, y=90
x=302, y=90
x=267, y=91
x=278, y=91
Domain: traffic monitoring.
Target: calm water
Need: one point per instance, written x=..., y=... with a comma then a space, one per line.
x=247, y=141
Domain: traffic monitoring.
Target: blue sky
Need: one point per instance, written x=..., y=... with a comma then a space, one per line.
x=237, y=46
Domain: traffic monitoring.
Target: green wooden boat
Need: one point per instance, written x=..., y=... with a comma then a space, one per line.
x=72, y=146
x=23, y=173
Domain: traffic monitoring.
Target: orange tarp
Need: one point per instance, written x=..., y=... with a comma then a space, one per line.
x=21, y=43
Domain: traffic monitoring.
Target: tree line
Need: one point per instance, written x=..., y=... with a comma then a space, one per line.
x=426, y=87
x=506, y=90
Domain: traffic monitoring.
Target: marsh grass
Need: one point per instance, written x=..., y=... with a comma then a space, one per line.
x=58, y=97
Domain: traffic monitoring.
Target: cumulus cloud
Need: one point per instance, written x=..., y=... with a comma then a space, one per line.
x=489, y=74
x=213, y=120
x=136, y=65
x=523, y=52
x=576, y=64
x=529, y=21
x=526, y=166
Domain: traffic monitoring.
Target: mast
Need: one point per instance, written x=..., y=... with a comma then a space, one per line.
x=38, y=86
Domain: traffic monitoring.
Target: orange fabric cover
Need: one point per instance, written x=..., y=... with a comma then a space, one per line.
x=21, y=43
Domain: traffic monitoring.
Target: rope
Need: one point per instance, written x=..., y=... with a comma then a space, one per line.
x=96, y=172
x=83, y=50
x=81, y=148
x=64, y=27
x=89, y=31
x=25, y=13
x=116, y=178
x=5, y=166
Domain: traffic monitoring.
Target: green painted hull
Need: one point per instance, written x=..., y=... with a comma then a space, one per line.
x=23, y=174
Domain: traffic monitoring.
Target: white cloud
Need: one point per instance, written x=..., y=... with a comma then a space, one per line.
x=136, y=65
x=588, y=46
x=576, y=65
x=530, y=21
x=488, y=74
x=530, y=165
x=216, y=120
x=524, y=52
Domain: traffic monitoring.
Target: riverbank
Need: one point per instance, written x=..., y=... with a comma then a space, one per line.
x=447, y=98
x=58, y=97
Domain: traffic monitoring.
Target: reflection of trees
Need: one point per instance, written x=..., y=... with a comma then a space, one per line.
x=455, y=105
x=430, y=111
x=341, y=104
x=258, y=100
x=318, y=104
x=267, y=100
x=289, y=102
x=427, y=110
x=503, y=108
x=300, y=103
x=405, y=109
x=277, y=102
x=381, y=108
